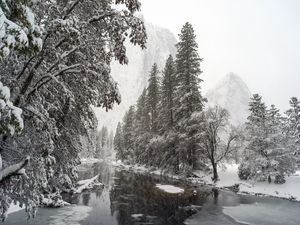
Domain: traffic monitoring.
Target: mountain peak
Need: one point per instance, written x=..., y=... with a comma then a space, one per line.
x=233, y=94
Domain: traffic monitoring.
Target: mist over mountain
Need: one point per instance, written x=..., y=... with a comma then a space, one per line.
x=132, y=78
x=233, y=94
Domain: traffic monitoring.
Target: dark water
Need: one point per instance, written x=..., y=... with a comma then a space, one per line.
x=129, y=198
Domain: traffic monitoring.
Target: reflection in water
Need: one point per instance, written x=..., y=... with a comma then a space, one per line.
x=136, y=194
x=132, y=199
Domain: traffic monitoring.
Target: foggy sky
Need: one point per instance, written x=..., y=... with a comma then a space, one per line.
x=257, y=39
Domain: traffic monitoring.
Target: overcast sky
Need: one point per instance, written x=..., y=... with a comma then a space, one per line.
x=257, y=39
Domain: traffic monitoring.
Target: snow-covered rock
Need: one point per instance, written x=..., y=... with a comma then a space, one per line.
x=132, y=78
x=233, y=94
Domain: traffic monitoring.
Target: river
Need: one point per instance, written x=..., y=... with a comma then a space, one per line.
x=130, y=198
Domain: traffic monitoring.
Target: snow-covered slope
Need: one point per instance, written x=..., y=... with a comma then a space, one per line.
x=232, y=94
x=132, y=78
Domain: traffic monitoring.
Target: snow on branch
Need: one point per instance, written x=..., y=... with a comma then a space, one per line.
x=101, y=16
x=48, y=77
x=13, y=170
x=87, y=184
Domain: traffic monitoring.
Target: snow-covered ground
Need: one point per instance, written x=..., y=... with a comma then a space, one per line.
x=261, y=213
x=229, y=177
x=90, y=160
x=170, y=189
x=14, y=208
x=142, y=169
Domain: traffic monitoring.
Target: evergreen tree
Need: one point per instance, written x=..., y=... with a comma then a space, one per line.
x=167, y=103
x=188, y=70
x=293, y=120
x=57, y=85
x=188, y=95
x=153, y=97
x=254, y=163
x=128, y=133
x=269, y=152
x=142, y=128
x=167, y=153
x=119, y=143
x=19, y=31
x=110, y=143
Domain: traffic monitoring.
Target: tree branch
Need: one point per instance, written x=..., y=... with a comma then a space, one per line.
x=13, y=170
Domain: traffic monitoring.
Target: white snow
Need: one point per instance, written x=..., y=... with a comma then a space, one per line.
x=170, y=188
x=229, y=177
x=50, y=202
x=14, y=208
x=90, y=160
x=71, y=215
x=87, y=184
x=262, y=212
x=136, y=216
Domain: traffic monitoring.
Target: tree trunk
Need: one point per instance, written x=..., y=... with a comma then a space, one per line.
x=215, y=172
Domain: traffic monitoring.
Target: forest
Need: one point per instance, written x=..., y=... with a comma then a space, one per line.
x=55, y=65
x=55, y=68
x=171, y=127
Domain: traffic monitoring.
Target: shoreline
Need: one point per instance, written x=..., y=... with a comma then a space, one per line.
x=244, y=187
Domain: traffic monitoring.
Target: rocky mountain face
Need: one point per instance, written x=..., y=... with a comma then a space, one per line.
x=232, y=94
x=132, y=78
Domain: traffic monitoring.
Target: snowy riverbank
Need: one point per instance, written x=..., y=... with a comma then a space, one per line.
x=90, y=160
x=229, y=177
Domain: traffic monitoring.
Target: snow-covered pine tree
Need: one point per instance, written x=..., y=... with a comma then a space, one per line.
x=110, y=144
x=98, y=144
x=153, y=97
x=280, y=147
x=167, y=98
x=254, y=161
x=119, y=142
x=11, y=123
x=168, y=158
x=269, y=153
x=129, y=134
x=293, y=120
x=57, y=86
x=142, y=128
x=103, y=140
x=292, y=125
x=188, y=95
x=19, y=30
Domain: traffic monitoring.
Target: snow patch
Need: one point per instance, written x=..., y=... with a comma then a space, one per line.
x=260, y=212
x=14, y=208
x=87, y=184
x=170, y=189
x=71, y=215
x=136, y=216
x=90, y=160
x=229, y=177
